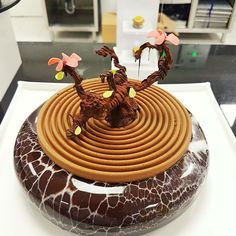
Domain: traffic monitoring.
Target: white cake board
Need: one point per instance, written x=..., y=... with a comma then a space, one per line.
x=213, y=212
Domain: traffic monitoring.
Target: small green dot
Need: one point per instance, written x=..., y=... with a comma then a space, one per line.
x=194, y=54
x=163, y=54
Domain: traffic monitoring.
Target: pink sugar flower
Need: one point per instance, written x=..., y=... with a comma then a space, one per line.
x=71, y=61
x=161, y=37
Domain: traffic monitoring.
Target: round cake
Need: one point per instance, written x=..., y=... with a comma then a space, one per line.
x=112, y=156
x=86, y=206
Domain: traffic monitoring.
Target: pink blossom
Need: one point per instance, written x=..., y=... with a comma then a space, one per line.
x=71, y=61
x=161, y=37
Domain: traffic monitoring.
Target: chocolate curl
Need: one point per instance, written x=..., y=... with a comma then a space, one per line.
x=120, y=108
x=77, y=80
x=105, y=51
x=119, y=76
x=164, y=64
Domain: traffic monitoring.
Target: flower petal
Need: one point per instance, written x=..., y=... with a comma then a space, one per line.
x=59, y=66
x=72, y=62
x=76, y=56
x=153, y=34
x=53, y=60
x=173, y=39
x=64, y=56
x=161, y=38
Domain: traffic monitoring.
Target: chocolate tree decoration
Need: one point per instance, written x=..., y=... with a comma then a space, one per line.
x=117, y=105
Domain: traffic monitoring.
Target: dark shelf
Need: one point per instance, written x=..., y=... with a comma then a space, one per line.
x=80, y=17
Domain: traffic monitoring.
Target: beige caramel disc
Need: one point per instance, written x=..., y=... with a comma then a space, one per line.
x=155, y=141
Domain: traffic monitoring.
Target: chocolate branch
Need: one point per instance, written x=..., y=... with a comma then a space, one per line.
x=164, y=64
x=119, y=108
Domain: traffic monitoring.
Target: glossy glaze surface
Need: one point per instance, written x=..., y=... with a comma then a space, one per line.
x=96, y=208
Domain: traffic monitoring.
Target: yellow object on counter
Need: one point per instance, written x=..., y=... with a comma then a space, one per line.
x=138, y=22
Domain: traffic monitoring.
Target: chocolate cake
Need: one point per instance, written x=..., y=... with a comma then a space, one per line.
x=112, y=156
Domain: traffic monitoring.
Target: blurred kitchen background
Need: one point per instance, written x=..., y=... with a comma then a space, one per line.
x=196, y=21
x=31, y=31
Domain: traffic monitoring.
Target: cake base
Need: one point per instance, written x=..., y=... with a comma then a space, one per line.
x=98, y=208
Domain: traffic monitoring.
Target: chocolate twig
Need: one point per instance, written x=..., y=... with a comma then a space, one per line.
x=119, y=108
x=164, y=64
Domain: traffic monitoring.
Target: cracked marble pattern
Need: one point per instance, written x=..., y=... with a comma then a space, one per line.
x=94, y=208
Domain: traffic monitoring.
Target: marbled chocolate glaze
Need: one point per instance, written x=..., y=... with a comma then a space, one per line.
x=95, y=208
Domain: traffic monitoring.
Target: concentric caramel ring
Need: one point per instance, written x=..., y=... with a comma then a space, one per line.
x=155, y=141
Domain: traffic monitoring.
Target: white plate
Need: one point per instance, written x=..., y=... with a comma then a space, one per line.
x=213, y=212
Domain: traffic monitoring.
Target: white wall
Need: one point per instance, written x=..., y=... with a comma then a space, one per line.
x=108, y=6
x=27, y=8
x=10, y=57
x=28, y=21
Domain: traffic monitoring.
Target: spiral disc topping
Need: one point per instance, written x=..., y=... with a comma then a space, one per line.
x=152, y=143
